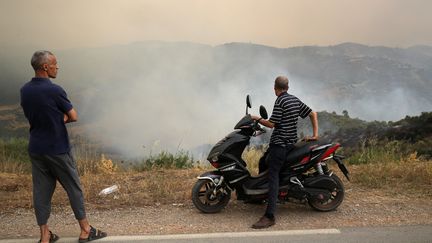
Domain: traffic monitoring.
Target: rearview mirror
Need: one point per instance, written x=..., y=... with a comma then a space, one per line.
x=248, y=101
x=263, y=112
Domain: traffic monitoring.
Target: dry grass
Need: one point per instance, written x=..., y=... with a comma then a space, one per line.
x=13, y=156
x=410, y=175
x=141, y=188
x=96, y=165
x=136, y=189
x=252, y=156
x=154, y=186
x=15, y=167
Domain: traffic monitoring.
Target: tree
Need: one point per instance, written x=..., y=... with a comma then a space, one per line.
x=345, y=113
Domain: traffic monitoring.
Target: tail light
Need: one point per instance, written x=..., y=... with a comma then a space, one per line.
x=330, y=151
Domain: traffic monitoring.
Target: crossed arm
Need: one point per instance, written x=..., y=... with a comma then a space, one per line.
x=70, y=116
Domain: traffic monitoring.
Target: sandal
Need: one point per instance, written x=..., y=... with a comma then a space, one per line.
x=53, y=238
x=93, y=235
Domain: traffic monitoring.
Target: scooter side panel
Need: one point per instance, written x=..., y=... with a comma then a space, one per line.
x=322, y=182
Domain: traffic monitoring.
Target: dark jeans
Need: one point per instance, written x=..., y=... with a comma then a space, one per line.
x=273, y=159
x=46, y=170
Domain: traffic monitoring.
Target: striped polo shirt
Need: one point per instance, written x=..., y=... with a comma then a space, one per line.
x=286, y=110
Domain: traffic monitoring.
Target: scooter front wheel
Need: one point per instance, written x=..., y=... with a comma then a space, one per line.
x=209, y=199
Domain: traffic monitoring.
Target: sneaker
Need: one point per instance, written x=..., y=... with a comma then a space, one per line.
x=263, y=223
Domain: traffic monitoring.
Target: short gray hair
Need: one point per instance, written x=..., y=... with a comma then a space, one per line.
x=39, y=58
x=281, y=83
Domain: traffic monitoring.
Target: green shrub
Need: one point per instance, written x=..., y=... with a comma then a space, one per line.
x=179, y=160
x=374, y=151
x=424, y=147
x=14, y=150
x=14, y=156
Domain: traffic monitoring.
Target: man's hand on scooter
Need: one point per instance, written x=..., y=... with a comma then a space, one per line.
x=262, y=121
x=313, y=138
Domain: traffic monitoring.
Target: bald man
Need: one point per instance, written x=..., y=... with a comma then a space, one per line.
x=47, y=110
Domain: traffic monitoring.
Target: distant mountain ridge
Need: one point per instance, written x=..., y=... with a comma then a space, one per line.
x=351, y=76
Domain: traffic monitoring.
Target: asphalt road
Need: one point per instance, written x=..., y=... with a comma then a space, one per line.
x=402, y=234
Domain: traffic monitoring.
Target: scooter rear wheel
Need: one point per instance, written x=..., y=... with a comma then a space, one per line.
x=336, y=198
x=209, y=200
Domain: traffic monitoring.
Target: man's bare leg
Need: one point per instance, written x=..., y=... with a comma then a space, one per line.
x=44, y=233
x=85, y=228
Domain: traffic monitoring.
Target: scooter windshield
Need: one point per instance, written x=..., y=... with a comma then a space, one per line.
x=246, y=121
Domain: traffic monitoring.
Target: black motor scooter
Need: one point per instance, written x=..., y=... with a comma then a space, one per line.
x=304, y=177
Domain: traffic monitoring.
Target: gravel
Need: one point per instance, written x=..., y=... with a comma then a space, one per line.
x=360, y=208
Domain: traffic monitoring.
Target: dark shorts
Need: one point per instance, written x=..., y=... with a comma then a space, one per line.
x=46, y=171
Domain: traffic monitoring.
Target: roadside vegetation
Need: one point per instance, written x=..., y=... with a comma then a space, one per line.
x=390, y=166
x=392, y=157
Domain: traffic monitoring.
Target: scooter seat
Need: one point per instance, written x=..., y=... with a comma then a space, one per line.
x=301, y=150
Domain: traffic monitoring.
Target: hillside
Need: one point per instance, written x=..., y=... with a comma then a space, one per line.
x=350, y=132
x=12, y=122
x=413, y=133
x=190, y=94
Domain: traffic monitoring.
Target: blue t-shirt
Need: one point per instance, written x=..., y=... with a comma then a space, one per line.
x=44, y=104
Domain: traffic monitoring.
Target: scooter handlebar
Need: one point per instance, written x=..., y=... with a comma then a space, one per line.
x=257, y=127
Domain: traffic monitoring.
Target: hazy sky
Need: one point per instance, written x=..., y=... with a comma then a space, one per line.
x=282, y=23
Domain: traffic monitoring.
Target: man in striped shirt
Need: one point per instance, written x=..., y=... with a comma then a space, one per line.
x=287, y=109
